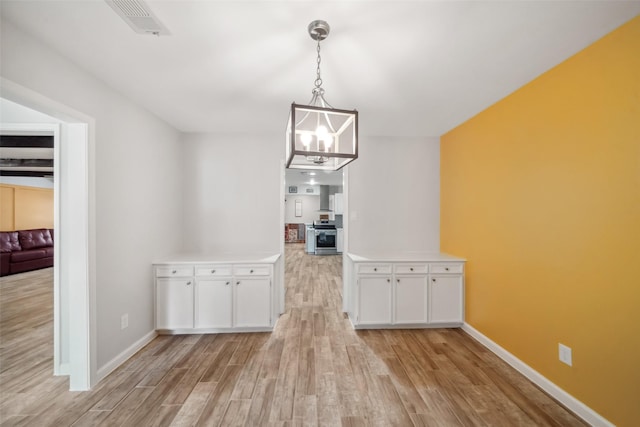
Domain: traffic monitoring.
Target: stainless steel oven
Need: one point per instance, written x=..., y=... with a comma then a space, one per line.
x=326, y=237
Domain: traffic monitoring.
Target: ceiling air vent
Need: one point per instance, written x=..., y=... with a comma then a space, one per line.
x=138, y=15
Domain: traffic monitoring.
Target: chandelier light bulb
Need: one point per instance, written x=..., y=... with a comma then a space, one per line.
x=305, y=138
x=322, y=132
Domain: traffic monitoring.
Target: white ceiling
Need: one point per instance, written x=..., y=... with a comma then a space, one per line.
x=302, y=177
x=411, y=68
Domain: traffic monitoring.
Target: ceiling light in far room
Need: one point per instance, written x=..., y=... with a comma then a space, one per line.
x=318, y=135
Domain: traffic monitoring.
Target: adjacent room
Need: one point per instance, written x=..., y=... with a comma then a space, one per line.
x=319, y=213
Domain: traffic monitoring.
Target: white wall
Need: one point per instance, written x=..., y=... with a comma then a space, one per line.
x=138, y=180
x=232, y=193
x=394, y=195
x=310, y=206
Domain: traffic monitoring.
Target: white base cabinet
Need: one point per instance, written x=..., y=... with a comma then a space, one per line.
x=399, y=294
x=411, y=300
x=374, y=300
x=203, y=298
x=174, y=303
x=213, y=301
x=446, y=297
x=250, y=309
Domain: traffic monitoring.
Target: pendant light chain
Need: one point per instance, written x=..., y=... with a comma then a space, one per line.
x=318, y=81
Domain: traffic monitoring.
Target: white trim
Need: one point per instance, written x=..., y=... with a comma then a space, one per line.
x=280, y=267
x=64, y=369
x=57, y=322
x=125, y=355
x=579, y=408
x=346, y=266
x=82, y=330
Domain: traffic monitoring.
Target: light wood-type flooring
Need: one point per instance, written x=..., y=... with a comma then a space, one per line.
x=314, y=369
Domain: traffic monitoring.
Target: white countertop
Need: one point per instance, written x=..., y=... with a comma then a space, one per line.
x=199, y=258
x=405, y=256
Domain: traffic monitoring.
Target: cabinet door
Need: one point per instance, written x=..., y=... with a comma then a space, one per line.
x=374, y=300
x=213, y=303
x=340, y=240
x=411, y=299
x=339, y=204
x=252, y=302
x=446, y=299
x=311, y=240
x=174, y=303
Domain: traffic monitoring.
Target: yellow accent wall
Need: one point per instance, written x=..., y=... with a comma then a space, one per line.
x=541, y=193
x=24, y=208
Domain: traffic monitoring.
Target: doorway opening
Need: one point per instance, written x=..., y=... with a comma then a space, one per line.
x=314, y=215
x=73, y=306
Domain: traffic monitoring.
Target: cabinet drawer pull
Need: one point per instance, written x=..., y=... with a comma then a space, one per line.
x=174, y=271
x=228, y=283
x=188, y=283
x=250, y=271
x=388, y=280
x=411, y=268
x=238, y=282
x=398, y=280
x=446, y=268
x=433, y=280
x=375, y=269
x=213, y=271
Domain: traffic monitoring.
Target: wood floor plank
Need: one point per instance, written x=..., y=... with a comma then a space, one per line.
x=91, y=418
x=152, y=403
x=119, y=392
x=327, y=400
x=127, y=407
x=218, y=364
x=237, y=413
x=286, y=381
x=260, y=409
x=217, y=403
x=407, y=391
x=194, y=405
x=314, y=369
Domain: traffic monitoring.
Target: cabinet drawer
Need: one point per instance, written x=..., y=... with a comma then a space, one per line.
x=252, y=270
x=448, y=268
x=175, y=271
x=374, y=269
x=411, y=268
x=213, y=270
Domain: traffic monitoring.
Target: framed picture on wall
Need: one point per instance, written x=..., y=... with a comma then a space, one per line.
x=293, y=189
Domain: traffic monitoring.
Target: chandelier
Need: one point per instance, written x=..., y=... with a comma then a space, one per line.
x=319, y=136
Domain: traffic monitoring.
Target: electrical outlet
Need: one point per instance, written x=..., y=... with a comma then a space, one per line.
x=564, y=353
x=124, y=321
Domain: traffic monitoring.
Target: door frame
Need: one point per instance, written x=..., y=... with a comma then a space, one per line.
x=345, y=248
x=74, y=261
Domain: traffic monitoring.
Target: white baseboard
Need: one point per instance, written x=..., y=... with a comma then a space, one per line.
x=126, y=354
x=579, y=408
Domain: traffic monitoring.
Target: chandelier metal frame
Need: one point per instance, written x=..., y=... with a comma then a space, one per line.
x=320, y=136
